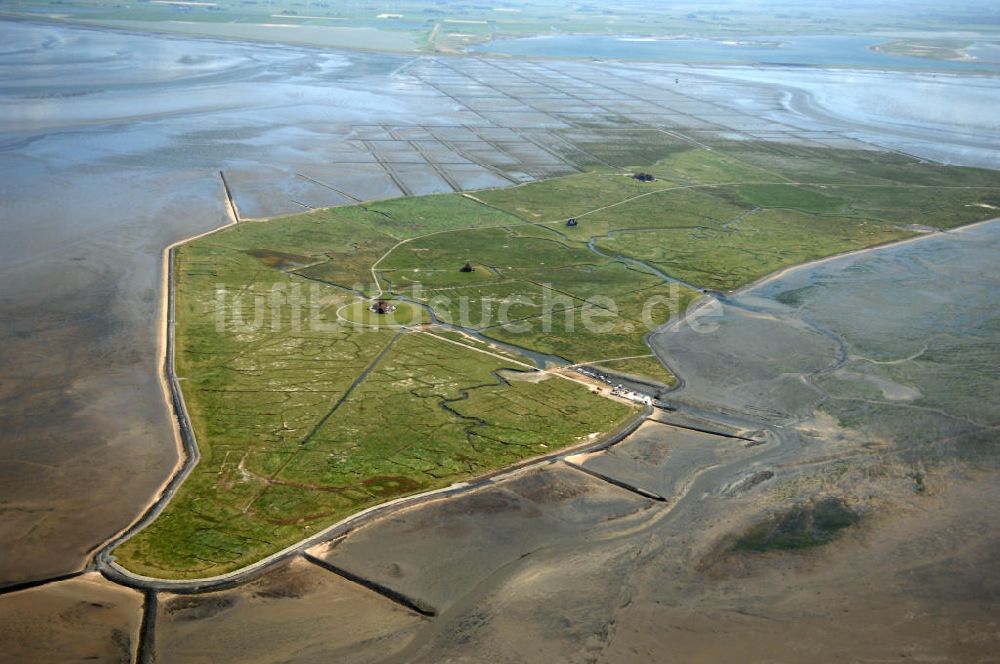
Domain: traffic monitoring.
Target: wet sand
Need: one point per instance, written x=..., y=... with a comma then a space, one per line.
x=112, y=143
x=663, y=459
x=296, y=613
x=86, y=434
x=555, y=565
x=83, y=619
x=486, y=532
x=911, y=587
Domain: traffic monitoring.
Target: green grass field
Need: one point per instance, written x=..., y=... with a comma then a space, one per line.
x=641, y=367
x=303, y=418
x=402, y=314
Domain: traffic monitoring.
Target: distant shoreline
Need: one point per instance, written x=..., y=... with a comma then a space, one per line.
x=153, y=29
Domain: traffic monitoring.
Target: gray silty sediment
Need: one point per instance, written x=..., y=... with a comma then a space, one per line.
x=918, y=327
x=663, y=459
x=488, y=532
x=110, y=146
x=296, y=612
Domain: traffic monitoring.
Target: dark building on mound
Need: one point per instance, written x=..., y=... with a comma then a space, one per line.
x=467, y=267
x=643, y=177
x=571, y=222
x=383, y=307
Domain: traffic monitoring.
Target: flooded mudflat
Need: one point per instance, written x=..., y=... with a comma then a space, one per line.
x=297, y=613
x=850, y=50
x=899, y=343
x=939, y=116
x=111, y=146
x=86, y=618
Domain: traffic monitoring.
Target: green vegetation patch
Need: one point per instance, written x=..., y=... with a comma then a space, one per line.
x=726, y=166
x=304, y=417
x=433, y=411
x=559, y=199
x=499, y=249
x=799, y=198
x=625, y=148
x=727, y=256
x=801, y=527
x=647, y=367
x=688, y=208
x=741, y=162
x=930, y=205
x=336, y=246
x=593, y=329
x=421, y=215
x=476, y=307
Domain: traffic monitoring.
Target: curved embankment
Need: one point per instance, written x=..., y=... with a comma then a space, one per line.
x=189, y=453
x=106, y=565
x=705, y=299
x=104, y=561
x=709, y=297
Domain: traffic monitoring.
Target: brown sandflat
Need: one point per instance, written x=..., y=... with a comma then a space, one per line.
x=82, y=619
x=298, y=613
x=443, y=550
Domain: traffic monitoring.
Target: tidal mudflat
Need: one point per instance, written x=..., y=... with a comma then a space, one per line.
x=282, y=410
x=104, y=170
x=101, y=173
x=897, y=342
x=82, y=619
x=299, y=612
x=884, y=426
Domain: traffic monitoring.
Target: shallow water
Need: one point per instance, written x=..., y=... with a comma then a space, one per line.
x=824, y=50
x=945, y=117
